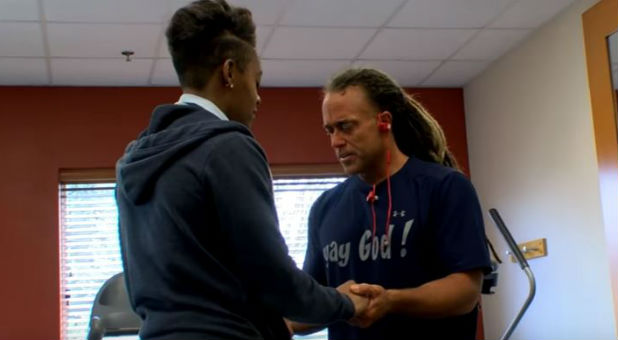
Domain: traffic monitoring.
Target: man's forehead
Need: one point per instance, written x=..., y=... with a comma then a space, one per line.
x=341, y=108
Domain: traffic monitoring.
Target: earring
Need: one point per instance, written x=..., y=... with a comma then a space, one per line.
x=230, y=85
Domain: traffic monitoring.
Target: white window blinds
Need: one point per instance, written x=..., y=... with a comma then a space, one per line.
x=90, y=250
x=293, y=199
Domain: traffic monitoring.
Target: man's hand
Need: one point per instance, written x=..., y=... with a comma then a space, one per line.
x=360, y=302
x=379, y=304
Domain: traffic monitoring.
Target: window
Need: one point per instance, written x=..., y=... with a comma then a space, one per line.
x=90, y=250
x=293, y=199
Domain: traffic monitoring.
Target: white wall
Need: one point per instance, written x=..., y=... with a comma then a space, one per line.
x=532, y=156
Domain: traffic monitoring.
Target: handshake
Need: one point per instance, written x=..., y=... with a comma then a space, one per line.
x=371, y=302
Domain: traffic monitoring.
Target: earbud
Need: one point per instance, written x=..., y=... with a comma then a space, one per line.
x=384, y=126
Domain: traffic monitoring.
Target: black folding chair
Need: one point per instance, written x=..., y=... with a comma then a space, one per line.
x=111, y=311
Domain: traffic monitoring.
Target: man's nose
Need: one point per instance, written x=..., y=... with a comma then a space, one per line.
x=336, y=141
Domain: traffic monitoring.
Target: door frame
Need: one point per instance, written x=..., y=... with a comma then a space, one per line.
x=599, y=22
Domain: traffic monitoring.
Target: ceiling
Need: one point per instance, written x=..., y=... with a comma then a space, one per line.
x=423, y=43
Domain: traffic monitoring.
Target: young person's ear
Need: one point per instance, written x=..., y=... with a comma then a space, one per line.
x=227, y=73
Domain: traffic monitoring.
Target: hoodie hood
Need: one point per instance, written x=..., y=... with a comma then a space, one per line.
x=174, y=131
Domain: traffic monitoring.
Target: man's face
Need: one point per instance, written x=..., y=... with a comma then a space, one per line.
x=350, y=121
x=246, y=97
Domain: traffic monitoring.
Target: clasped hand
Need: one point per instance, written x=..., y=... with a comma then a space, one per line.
x=371, y=302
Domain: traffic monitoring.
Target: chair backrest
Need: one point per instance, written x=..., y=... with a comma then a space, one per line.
x=111, y=311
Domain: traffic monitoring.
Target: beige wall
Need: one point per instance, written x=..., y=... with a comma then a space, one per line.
x=532, y=156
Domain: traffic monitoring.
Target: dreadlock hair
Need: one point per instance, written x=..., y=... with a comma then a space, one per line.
x=203, y=34
x=416, y=132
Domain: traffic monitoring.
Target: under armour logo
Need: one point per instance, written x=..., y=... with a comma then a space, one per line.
x=401, y=213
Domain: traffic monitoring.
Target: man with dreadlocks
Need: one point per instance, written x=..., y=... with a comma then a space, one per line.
x=409, y=223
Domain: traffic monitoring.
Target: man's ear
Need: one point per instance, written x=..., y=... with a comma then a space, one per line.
x=384, y=121
x=385, y=117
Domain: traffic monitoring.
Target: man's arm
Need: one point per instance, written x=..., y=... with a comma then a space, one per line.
x=453, y=295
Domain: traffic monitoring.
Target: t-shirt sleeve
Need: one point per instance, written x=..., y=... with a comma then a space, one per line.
x=238, y=175
x=314, y=261
x=460, y=233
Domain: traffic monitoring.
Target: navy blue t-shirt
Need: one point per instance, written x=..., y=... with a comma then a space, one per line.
x=436, y=229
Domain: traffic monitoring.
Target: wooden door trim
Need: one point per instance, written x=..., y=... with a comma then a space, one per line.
x=600, y=21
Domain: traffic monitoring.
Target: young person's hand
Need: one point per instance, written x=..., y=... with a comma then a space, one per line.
x=360, y=302
x=379, y=304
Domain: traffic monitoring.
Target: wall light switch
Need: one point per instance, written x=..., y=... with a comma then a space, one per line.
x=532, y=249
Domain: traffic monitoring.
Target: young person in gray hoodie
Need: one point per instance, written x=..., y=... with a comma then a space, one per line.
x=202, y=252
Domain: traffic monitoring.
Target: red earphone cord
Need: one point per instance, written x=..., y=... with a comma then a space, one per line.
x=390, y=199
